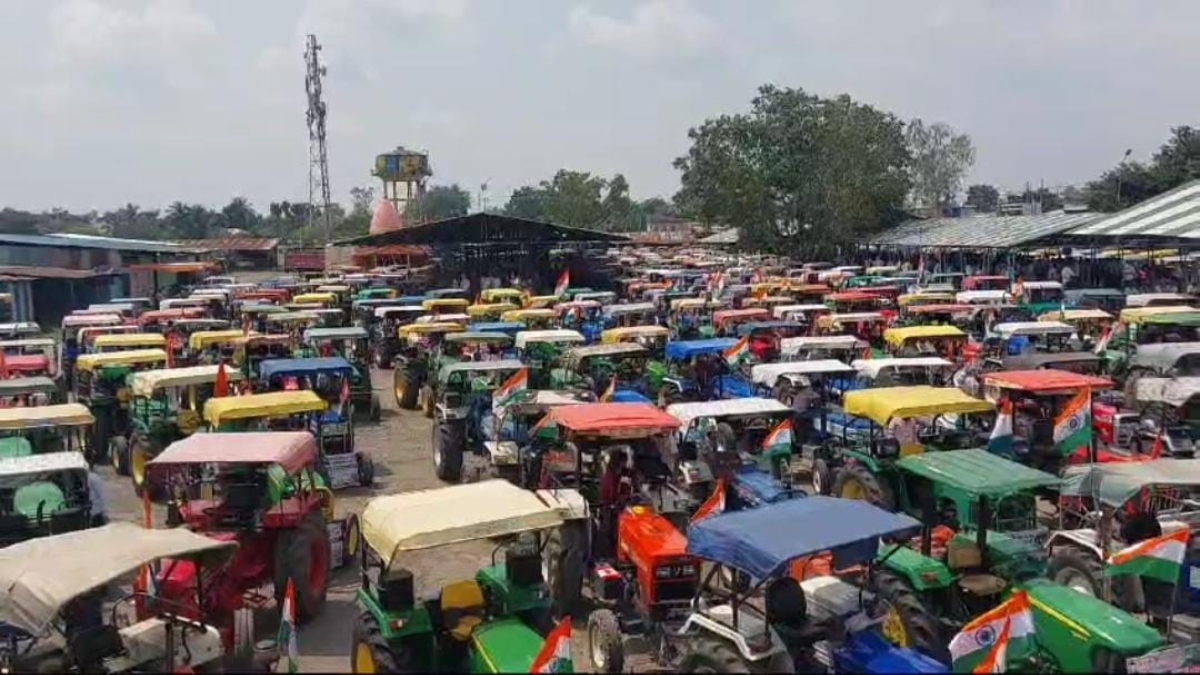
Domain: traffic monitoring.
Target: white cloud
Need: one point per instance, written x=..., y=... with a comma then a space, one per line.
x=90, y=32
x=656, y=27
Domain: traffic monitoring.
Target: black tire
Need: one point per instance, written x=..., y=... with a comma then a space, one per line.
x=1076, y=568
x=406, y=386
x=712, y=655
x=118, y=453
x=921, y=629
x=101, y=431
x=565, y=561
x=669, y=394
x=1105, y=660
x=449, y=444
x=375, y=412
x=351, y=540
x=428, y=402
x=368, y=643
x=296, y=552
x=822, y=477
x=604, y=640
x=366, y=469
x=725, y=439
x=869, y=487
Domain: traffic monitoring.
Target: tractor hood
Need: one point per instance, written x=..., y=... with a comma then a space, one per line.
x=1090, y=618
x=732, y=386
x=505, y=646
x=869, y=652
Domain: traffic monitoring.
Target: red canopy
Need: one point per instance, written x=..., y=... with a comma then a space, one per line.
x=24, y=363
x=289, y=449
x=598, y=417
x=1045, y=380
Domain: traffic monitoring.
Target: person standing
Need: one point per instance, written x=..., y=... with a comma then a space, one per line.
x=96, y=498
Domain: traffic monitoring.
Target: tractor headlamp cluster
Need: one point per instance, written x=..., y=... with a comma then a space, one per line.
x=675, y=571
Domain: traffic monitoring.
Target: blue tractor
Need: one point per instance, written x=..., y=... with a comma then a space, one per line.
x=464, y=418
x=696, y=370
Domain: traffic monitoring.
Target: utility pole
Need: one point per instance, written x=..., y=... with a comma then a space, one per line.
x=318, y=161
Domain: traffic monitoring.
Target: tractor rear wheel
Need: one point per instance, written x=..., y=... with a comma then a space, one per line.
x=563, y=567
x=371, y=653
x=302, y=554
x=855, y=481
x=822, y=477
x=118, y=454
x=449, y=444
x=366, y=469
x=907, y=622
x=712, y=655
x=606, y=648
x=1076, y=568
x=406, y=385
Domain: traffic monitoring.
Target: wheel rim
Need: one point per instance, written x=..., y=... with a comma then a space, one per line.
x=853, y=489
x=350, y=545
x=364, y=662
x=817, y=482
x=893, y=628
x=437, y=450
x=398, y=388
x=598, y=659
x=113, y=457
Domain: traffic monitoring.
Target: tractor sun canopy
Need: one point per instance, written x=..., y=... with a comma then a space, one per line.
x=291, y=450
x=271, y=404
x=682, y=350
x=605, y=419
x=40, y=576
x=145, y=383
x=734, y=407
x=1114, y=483
x=61, y=415
x=977, y=472
x=886, y=403
x=751, y=541
x=298, y=367
x=1044, y=380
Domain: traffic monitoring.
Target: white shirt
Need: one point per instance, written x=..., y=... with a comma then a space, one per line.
x=96, y=493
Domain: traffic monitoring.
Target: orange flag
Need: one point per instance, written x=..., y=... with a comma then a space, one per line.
x=221, y=386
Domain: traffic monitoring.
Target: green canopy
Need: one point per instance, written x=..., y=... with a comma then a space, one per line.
x=977, y=472
x=1115, y=482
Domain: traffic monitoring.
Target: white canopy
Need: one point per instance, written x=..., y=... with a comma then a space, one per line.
x=781, y=311
x=981, y=297
x=39, y=576
x=687, y=412
x=796, y=344
x=1007, y=330
x=768, y=373
x=873, y=367
x=559, y=335
x=1145, y=299
x=46, y=462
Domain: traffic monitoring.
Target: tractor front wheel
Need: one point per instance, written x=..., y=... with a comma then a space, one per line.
x=428, y=402
x=822, y=477
x=351, y=539
x=563, y=567
x=906, y=621
x=406, y=385
x=449, y=443
x=366, y=469
x=856, y=481
x=605, y=646
x=118, y=454
x=376, y=410
x=371, y=652
x=302, y=554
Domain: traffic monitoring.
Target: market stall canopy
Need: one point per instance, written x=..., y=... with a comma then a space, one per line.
x=484, y=228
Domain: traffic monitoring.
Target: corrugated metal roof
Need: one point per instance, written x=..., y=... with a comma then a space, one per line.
x=233, y=243
x=729, y=236
x=53, y=272
x=87, y=241
x=1172, y=214
x=982, y=231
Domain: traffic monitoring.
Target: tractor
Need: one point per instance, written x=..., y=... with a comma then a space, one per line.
x=101, y=384
x=596, y=368
x=464, y=421
x=417, y=361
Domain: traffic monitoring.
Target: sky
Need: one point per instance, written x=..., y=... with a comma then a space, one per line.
x=153, y=101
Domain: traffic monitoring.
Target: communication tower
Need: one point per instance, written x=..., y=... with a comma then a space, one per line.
x=318, y=161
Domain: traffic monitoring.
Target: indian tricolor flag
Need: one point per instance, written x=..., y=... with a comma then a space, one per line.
x=287, y=627
x=1001, y=440
x=507, y=393
x=984, y=644
x=1158, y=558
x=1073, y=426
x=610, y=392
x=737, y=352
x=781, y=435
x=713, y=505
x=564, y=281
x=555, y=656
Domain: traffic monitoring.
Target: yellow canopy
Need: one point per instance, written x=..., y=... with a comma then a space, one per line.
x=523, y=314
x=292, y=317
x=145, y=383
x=909, y=298
x=633, y=332
x=203, y=338
x=1139, y=314
x=1092, y=314
x=130, y=340
x=62, y=415
x=541, y=301
x=898, y=336
x=273, y=404
x=427, y=328
x=333, y=288
x=89, y=362
x=883, y=404
x=496, y=308
x=322, y=298
x=502, y=294
x=695, y=303
x=438, y=303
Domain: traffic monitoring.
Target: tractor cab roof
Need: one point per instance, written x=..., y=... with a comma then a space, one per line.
x=1044, y=380
x=1011, y=329
x=793, y=346
x=44, y=416
x=46, y=463
x=750, y=327
x=749, y=540
x=554, y=336
x=38, y=384
x=291, y=450
x=615, y=420
x=333, y=365
x=39, y=577
x=686, y=413
x=203, y=338
x=873, y=367
x=1165, y=355
x=345, y=333
x=1174, y=391
x=272, y=404
x=977, y=472
x=479, y=337
x=682, y=350
x=504, y=327
x=768, y=373
x=1114, y=483
x=886, y=403
x=145, y=383
x=89, y=362
x=898, y=336
x=577, y=354
x=447, y=370
x=425, y=519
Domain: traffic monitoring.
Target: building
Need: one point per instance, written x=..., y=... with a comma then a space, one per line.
x=238, y=251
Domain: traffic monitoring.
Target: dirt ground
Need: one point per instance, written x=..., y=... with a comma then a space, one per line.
x=400, y=445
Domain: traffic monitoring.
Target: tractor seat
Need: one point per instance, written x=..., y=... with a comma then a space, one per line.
x=965, y=555
x=462, y=608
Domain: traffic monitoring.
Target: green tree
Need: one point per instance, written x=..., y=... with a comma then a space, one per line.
x=799, y=173
x=527, y=202
x=575, y=199
x=1176, y=162
x=941, y=158
x=240, y=214
x=438, y=203
x=985, y=198
x=131, y=222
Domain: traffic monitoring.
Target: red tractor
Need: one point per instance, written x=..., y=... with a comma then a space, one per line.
x=263, y=491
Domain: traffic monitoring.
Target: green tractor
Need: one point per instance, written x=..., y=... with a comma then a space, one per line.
x=541, y=350
x=982, y=540
x=496, y=622
x=417, y=362
x=101, y=384
x=593, y=368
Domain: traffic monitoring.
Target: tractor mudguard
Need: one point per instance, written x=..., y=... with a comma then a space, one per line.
x=869, y=652
x=505, y=645
x=1072, y=626
x=873, y=465
x=921, y=573
x=413, y=622
x=1085, y=539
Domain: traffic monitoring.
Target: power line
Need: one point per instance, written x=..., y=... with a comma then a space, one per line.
x=318, y=161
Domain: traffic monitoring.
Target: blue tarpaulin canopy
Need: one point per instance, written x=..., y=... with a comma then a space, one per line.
x=762, y=541
x=680, y=350
x=497, y=326
x=282, y=367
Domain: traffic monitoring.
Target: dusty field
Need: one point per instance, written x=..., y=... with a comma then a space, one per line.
x=401, y=448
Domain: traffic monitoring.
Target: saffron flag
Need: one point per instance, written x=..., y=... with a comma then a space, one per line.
x=737, y=352
x=713, y=505
x=555, y=656
x=1157, y=448
x=991, y=635
x=564, y=281
x=1106, y=336
x=612, y=389
x=508, y=392
x=344, y=398
x=287, y=627
x=1073, y=425
x=1001, y=440
x=221, y=386
x=781, y=435
x=1158, y=558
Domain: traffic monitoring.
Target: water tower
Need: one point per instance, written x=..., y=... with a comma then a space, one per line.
x=404, y=174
